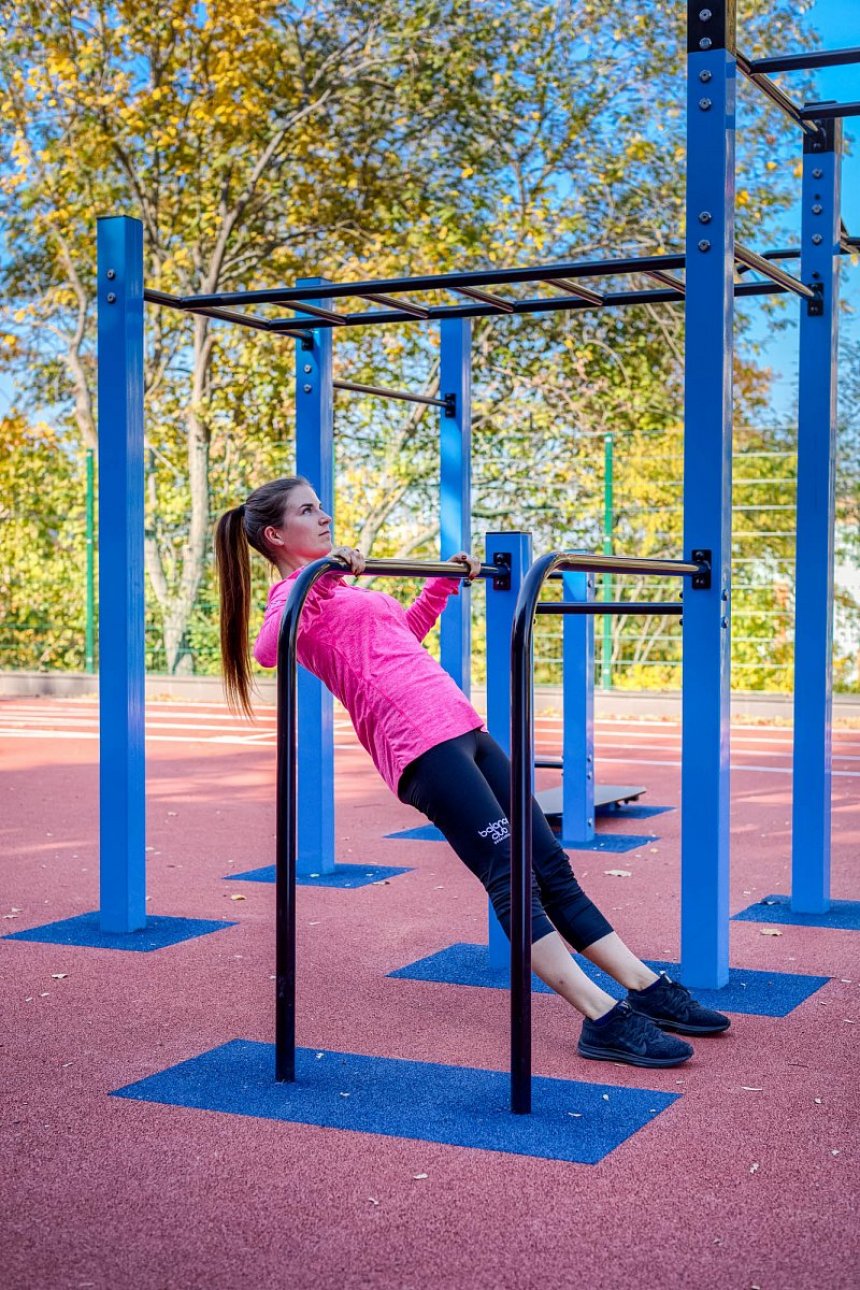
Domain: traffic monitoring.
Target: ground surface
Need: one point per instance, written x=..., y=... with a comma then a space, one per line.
x=749, y=1179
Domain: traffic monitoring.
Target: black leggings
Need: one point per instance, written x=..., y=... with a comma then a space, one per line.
x=463, y=787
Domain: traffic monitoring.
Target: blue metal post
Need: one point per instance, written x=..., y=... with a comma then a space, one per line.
x=315, y=460
x=816, y=474
x=122, y=810
x=711, y=71
x=577, y=818
x=500, y=615
x=455, y=447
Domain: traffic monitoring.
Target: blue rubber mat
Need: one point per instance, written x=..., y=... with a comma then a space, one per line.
x=423, y=833
x=456, y=1105
x=609, y=842
x=843, y=915
x=764, y=994
x=85, y=930
x=634, y=811
x=343, y=875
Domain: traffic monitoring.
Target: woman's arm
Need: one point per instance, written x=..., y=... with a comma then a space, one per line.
x=431, y=600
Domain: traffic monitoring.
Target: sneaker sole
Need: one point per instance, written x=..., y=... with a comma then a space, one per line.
x=679, y=1028
x=629, y=1059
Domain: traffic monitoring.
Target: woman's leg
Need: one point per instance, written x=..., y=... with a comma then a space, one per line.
x=446, y=785
x=573, y=913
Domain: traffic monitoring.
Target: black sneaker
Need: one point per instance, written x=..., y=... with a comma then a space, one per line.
x=623, y=1036
x=671, y=1007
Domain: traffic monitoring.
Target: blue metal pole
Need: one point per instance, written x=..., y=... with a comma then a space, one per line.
x=122, y=813
x=816, y=510
x=577, y=792
x=315, y=460
x=707, y=492
x=500, y=616
x=455, y=448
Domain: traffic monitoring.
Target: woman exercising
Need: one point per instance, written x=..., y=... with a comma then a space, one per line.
x=431, y=748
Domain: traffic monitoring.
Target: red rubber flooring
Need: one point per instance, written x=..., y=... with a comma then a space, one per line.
x=749, y=1180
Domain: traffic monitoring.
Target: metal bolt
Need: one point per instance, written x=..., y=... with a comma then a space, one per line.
x=705, y=14
x=706, y=76
x=704, y=245
x=111, y=299
x=817, y=208
x=590, y=821
x=817, y=239
x=705, y=42
x=307, y=389
x=705, y=105
x=704, y=217
x=724, y=596
x=111, y=273
x=308, y=368
x=589, y=775
x=817, y=174
x=724, y=622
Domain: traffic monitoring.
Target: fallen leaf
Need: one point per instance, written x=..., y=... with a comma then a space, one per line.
x=750, y=1088
x=606, y=1097
x=59, y=976
x=753, y=1168
x=819, y=1101
x=417, y=1176
x=770, y=931
x=577, y=1115
x=238, y=897
x=835, y=1152
x=373, y=1200
x=618, y=873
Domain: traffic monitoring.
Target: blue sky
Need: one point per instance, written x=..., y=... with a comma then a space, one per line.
x=838, y=25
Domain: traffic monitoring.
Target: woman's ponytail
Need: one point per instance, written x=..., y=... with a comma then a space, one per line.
x=235, y=533
x=233, y=564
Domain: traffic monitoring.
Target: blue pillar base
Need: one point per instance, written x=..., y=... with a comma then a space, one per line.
x=343, y=875
x=85, y=930
x=843, y=915
x=763, y=994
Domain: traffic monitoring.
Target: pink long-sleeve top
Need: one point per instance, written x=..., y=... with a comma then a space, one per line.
x=366, y=648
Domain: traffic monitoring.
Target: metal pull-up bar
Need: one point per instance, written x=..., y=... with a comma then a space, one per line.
x=286, y=845
x=353, y=387
x=522, y=760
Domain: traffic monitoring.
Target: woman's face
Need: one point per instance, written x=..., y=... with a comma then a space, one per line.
x=305, y=532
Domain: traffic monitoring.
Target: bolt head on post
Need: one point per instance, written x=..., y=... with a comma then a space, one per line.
x=705, y=217
x=706, y=76
x=705, y=105
x=704, y=245
x=705, y=42
x=705, y=14
x=817, y=239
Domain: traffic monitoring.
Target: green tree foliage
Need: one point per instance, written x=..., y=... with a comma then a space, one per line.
x=265, y=143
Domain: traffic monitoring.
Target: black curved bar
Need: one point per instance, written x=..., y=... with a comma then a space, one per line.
x=522, y=762
x=286, y=832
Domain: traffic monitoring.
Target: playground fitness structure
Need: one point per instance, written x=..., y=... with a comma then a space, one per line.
x=704, y=278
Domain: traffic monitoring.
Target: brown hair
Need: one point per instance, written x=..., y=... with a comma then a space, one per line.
x=235, y=532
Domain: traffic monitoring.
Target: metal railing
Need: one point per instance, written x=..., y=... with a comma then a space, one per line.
x=286, y=843
x=522, y=760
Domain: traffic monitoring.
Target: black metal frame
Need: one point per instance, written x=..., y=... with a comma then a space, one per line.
x=522, y=760
x=572, y=297
x=286, y=840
